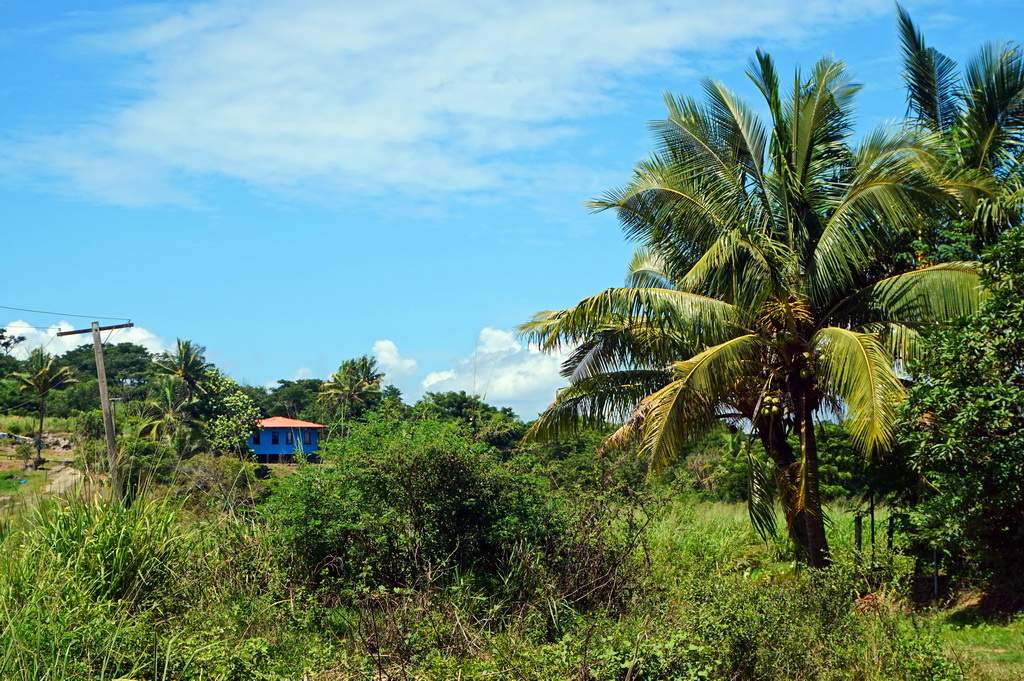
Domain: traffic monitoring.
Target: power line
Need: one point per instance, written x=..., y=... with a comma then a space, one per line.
x=61, y=314
x=28, y=326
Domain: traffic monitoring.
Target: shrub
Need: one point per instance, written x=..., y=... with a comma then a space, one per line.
x=403, y=499
x=222, y=481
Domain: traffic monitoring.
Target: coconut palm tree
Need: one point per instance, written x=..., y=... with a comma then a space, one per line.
x=169, y=415
x=187, y=362
x=356, y=382
x=977, y=115
x=765, y=292
x=40, y=377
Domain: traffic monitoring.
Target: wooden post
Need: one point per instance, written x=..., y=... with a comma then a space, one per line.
x=872, y=529
x=116, y=490
x=108, y=417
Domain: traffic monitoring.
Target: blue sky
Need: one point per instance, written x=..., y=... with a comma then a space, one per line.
x=295, y=183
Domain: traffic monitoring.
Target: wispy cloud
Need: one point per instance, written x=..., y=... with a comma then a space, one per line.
x=370, y=97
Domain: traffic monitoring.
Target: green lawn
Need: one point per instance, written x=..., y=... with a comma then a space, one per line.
x=995, y=651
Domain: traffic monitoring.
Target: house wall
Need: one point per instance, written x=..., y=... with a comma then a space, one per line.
x=267, y=450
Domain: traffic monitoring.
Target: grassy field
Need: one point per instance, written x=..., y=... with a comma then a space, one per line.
x=90, y=591
x=995, y=651
x=166, y=589
x=28, y=426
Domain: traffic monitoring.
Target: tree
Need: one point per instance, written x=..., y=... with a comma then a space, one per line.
x=354, y=386
x=169, y=416
x=291, y=398
x=964, y=421
x=41, y=376
x=8, y=341
x=499, y=428
x=230, y=415
x=765, y=291
x=978, y=118
x=187, y=362
x=127, y=364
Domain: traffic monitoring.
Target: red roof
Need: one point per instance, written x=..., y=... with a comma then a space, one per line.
x=282, y=422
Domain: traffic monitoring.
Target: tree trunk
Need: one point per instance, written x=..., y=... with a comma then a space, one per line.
x=773, y=437
x=817, y=541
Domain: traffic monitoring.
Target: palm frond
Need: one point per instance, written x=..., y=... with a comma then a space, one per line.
x=856, y=367
x=595, y=401
x=688, y=405
x=761, y=494
x=933, y=294
x=932, y=80
x=701, y=317
x=649, y=268
x=994, y=104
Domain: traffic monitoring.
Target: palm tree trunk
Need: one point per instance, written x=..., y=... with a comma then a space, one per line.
x=773, y=437
x=817, y=541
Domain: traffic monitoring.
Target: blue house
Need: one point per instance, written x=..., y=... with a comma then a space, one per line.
x=279, y=439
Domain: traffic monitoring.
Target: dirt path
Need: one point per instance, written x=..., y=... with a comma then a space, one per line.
x=61, y=479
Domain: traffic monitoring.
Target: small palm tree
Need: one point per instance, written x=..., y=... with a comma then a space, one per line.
x=40, y=377
x=188, y=363
x=765, y=292
x=168, y=415
x=356, y=382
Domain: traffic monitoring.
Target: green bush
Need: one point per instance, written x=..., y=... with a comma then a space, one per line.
x=400, y=499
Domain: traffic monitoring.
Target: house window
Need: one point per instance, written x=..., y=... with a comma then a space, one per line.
x=256, y=438
x=275, y=438
x=289, y=439
x=307, y=437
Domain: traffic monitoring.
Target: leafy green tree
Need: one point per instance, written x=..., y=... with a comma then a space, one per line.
x=9, y=341
x=291, y=398
x=978, y=116
x=402, y=500
x=230, y=415
x=964, y=420
x=765, y=291
x=500, y=428
x=41, y=376
x=258, y=394
x=79, y=397
x=127, y=364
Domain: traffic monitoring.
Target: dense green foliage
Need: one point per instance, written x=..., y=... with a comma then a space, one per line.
x=402, y=499
x=96, y=591
x=965, y=422
x=764, y=290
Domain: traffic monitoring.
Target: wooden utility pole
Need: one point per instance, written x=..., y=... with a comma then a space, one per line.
x=116, y=490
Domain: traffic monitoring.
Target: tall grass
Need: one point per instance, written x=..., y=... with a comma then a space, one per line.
x=94, y=591
x=76, y=579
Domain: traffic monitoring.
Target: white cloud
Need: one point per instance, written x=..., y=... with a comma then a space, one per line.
x=504, y=373
x=371, y=97
x=437, y=378
x=496, y=340
x=391, y=361
x=47, y=338
x=301, y=373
